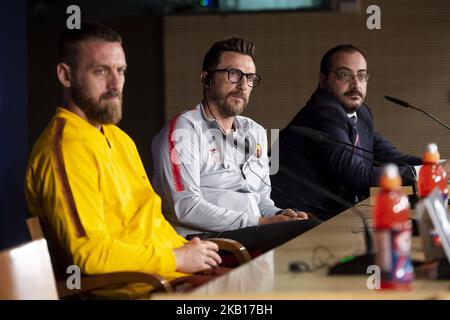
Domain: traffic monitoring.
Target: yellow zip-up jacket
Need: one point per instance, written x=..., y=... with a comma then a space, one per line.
x=94, y=191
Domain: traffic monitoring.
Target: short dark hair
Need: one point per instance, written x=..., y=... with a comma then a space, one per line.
x=71, y=38
x=211, y=59
x=325, y=64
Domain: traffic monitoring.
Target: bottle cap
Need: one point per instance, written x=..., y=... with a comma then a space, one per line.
x=431, y=154
x=390, y=177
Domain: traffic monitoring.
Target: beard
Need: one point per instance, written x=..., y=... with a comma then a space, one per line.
x=227, y=107
x=351, y=107
x=100, y=111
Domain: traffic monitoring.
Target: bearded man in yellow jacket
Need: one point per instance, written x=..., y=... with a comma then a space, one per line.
x=86, y=178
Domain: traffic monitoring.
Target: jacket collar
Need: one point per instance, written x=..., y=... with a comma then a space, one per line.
x=82, y=125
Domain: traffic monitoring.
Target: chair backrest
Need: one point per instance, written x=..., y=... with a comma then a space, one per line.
x=26, y=273
x=39, y=229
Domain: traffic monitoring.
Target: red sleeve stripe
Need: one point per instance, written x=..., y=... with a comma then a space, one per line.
x=174, y=158
x=63, y=179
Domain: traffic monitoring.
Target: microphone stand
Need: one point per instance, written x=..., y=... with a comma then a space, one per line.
x=431, y=116
x=407, y=105
x=351, y=264
x=322, y=137
x=413, y=198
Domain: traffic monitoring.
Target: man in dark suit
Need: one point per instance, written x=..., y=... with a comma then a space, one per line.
x=336, y=108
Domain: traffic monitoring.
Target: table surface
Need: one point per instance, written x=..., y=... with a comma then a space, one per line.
x=268, y=276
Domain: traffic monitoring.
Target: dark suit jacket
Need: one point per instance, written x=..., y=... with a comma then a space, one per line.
x=342, y=172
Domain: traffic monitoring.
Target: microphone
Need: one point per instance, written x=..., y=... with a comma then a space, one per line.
x=407, y=105
x=348, y=265
x=398, y=101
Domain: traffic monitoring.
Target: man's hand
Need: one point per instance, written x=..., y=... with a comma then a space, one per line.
x=197, y=255
x=286, y=215
x=295, y=214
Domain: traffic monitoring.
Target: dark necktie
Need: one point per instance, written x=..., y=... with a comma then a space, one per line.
x=353, y=121
x=356, y=143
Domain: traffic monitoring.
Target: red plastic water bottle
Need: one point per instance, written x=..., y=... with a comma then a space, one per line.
x=432, y=174
x=393, y=231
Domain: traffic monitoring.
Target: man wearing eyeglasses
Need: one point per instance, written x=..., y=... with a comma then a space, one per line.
x=211, y=164
x=336, y=108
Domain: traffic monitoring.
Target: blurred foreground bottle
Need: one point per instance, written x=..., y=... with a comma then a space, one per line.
x=432, y=174
x=393, y=231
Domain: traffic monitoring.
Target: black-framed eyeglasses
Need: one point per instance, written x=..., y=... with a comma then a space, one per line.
x=347, y=76
x=235, y=76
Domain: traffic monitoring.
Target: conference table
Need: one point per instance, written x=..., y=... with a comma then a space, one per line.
x=299, y=268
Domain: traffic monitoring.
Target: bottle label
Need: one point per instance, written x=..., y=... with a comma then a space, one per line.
x=393, y=255
x=445, y=197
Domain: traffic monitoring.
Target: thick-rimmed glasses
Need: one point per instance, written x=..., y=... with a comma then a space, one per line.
x=345, y=75
x=235, y=76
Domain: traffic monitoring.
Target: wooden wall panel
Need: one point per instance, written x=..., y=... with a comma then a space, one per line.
x=408, y=58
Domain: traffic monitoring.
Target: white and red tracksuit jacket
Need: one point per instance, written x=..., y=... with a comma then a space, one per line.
x=209, y=181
